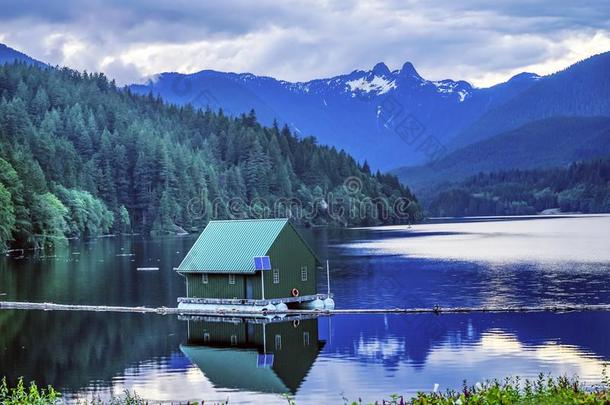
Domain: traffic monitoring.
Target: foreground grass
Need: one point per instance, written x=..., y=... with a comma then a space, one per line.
x=27, y=395
x=543, y=391
x=34, y=395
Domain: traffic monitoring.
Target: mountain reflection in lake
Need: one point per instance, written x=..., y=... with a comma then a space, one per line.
x=163, y=358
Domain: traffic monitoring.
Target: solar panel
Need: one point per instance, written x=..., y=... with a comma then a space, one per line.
x=262, y=263
x=264, y=360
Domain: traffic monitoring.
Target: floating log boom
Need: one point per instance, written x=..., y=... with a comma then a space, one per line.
x=47, y=306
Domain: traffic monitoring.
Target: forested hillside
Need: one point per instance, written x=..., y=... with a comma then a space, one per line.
x=80, y=157
x=581, y=187
x=581, y=90
x=551, y=142
x=10, y=55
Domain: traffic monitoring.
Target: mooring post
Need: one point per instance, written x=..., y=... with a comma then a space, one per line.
x=262, y=284
x=327, y=279
x=264, y=340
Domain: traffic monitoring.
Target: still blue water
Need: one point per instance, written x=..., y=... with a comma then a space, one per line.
x=499, y=262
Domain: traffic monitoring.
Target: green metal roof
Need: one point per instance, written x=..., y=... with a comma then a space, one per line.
x=230, y=246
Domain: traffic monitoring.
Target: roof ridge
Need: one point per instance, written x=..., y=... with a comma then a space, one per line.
x=249, y=220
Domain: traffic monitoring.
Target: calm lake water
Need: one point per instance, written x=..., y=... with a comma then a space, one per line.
x=480, y=262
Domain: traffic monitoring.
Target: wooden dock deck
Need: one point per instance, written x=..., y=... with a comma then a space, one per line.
x=252, y=302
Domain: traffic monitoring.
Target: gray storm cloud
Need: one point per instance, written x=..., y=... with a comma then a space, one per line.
x=480, y=41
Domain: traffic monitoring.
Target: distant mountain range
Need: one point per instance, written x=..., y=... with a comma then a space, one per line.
x=390, y=117
x=364, y=112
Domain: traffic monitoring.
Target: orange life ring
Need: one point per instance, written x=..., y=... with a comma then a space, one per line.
x=295, y=292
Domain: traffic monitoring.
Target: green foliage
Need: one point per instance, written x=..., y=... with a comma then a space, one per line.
x=88, y=216
x=32, y=395
x=123, y=223
x=127, y=398
x=511, y=391
x=581, y=187
x=7, y=216
x=20, y=227
x=105, y=152
x=50, y=217
x=544, y=391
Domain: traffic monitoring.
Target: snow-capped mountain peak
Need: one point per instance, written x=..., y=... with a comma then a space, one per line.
x=367, y=84
x=449, y=87
x=371, y=83
x=379, y=80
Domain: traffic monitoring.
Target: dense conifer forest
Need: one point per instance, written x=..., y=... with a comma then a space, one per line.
x=581, y=187
x=80, y=157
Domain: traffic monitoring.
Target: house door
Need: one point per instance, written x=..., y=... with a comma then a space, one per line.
x=249, y=288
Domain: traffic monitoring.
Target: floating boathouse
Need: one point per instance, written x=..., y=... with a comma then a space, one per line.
x=251, y=264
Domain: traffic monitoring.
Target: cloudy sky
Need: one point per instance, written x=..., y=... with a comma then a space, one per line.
x=484, y=42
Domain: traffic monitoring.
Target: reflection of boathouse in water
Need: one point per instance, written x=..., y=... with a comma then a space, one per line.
x=255, y=355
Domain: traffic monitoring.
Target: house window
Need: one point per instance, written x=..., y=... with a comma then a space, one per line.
x=204, y=278
x=276, y=276
x=234, y=340
x=305, y=339
x=304, y=273
x=231, y=278
x=278, y=342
